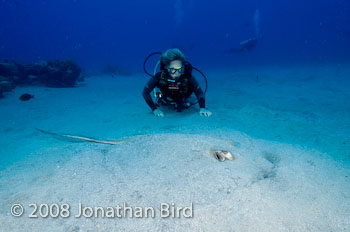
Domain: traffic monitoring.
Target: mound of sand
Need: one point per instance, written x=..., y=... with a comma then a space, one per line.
x=268, y=187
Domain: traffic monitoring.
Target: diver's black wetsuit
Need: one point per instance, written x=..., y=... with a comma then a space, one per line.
x=178, y=98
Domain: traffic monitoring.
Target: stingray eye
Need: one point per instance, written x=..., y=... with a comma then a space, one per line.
x=219, y=156
x=225, y=152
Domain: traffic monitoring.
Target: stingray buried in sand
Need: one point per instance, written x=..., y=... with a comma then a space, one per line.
x=221, y=155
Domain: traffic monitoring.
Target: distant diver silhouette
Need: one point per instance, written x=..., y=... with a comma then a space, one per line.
x=246, y=45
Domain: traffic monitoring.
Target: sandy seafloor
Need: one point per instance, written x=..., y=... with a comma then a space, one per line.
x=288, y=127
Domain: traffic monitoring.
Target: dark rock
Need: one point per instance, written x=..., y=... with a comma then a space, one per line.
x=3, y=78
x=6, y=86
x=51, y=74
x=8, y=69
x=26, y=71
x=60, y=74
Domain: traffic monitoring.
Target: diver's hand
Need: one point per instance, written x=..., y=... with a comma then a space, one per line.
x=204, y=112
x=158, y=113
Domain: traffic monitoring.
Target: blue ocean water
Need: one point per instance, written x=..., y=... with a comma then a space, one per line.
x=283, y=106
x=123, y=32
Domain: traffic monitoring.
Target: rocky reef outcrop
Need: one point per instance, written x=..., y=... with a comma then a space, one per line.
x=56, y=74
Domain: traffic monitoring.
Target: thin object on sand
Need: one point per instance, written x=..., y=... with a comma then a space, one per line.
x=81, y=138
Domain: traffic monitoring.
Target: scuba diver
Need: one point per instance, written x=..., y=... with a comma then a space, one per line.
x=175, y=83
x=246, y=45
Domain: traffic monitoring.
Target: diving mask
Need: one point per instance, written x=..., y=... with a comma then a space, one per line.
x=173, y=70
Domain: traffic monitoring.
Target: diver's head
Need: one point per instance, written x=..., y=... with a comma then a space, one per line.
x=173, y=61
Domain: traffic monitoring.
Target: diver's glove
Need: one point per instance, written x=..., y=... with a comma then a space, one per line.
x=204, y=112
x=158, y=113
